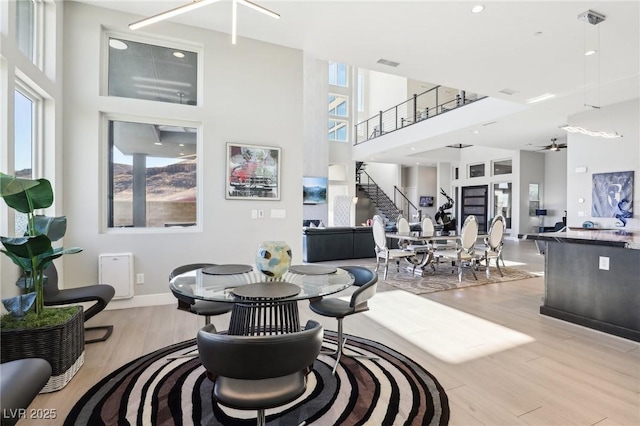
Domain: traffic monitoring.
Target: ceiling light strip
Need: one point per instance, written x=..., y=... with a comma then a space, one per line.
x=170, y=13
x=576, y=129
x=259, y=8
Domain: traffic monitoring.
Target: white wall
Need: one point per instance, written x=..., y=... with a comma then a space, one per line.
x=531, y=170
x=253, y=93
x=316, y=150
x=555, y=186
x=427, y=185
x=385, y=91
x=600, y=155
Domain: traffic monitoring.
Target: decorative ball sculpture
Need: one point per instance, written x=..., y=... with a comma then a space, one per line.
x=273, y=258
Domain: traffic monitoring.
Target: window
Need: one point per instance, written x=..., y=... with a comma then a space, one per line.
x=338, y=74
x=360, y=93
x=338, y=105
x=155, y=73
x=502, y=167
x=476, y=170
x=338, y=130
x=26, y=27
x=25, y=131
x=152, y=175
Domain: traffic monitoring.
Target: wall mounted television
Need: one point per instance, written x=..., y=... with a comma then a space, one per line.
x=314, y=190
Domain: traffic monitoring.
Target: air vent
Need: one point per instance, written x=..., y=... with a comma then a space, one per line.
x=388, y=62
x=459, y=145
x=490, y=123
x=508, y=91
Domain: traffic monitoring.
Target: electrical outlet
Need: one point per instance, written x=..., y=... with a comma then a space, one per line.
x=139, y=278
x=604, y=263
x=260, y=214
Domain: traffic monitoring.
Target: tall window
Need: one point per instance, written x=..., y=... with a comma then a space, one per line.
x=26, y=27
x=338, y=104
x=152, y=175
x=24, y=141
x=156, y=73
x=360, y=92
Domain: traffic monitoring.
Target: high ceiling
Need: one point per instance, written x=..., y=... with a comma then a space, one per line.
x=528, y=48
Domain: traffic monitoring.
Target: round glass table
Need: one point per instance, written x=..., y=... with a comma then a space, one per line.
x=262, y=305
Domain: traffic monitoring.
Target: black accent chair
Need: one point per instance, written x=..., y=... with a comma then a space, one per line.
x=101, y=294
x=195, y=306
x=334, y=307
x=20, y=382
x=259, y=372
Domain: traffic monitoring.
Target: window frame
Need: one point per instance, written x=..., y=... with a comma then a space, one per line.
x=493, y=166
x=484, y=170
x=37, y=33
x=105, y=166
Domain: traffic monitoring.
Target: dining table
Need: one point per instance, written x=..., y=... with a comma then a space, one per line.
x=261, y=304
x=426, y=252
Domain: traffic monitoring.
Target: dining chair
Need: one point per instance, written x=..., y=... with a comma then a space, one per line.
x=259, y=372
x=464, y=252
x=385, y=253
x=402, y=225
x=99, y=294
x=493, y=243
x=367, y=281
x=195, y=306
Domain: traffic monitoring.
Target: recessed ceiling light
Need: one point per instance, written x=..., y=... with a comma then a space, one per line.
x=157, y=143
x=117, y=44
x=181, y=144
x=477, y=8
x=476, y=131
x=541, y=98
x=590, y=52
x=178, y=54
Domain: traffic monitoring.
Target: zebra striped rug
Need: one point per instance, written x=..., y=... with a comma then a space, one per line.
x=153, y=391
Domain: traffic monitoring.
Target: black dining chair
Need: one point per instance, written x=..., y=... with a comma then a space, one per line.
x=100, y=294
x=259, y=372
x=204, y=308
x=367, y=281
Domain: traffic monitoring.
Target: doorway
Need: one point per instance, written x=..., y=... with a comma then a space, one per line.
x=474, y=202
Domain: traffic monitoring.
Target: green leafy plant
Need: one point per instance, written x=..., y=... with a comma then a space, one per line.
x=33, y=252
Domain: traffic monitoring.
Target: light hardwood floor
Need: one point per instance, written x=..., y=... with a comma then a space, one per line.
x=499, y=360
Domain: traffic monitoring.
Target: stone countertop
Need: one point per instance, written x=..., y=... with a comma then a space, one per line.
x=604, y=237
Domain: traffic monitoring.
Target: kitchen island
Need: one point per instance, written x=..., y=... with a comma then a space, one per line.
x=592, y=278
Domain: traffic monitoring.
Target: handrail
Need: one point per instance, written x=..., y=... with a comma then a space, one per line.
x=396, y=190
x=419, y=107
x=379, y=193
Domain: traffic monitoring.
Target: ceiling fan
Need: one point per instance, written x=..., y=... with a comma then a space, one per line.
x=554, y=146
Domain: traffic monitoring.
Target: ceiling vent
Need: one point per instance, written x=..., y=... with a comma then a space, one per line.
x=508, y=91
x=388, y=62
x=594, y=18
x=490, y=123
x=459, y=145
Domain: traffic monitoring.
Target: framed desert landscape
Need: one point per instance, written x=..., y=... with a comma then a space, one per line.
x=253, y=172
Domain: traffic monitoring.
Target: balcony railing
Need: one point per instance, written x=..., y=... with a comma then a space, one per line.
x=428, y=104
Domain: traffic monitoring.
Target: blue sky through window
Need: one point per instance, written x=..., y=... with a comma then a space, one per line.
x=23, y=132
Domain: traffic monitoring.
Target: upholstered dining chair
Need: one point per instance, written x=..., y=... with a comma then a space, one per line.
x=195, y=306
x=493, y=244
x=402, y=225
x=367, y=281
x=259, y=372
x=100, y=294
x=464, y=254
x=385, y=253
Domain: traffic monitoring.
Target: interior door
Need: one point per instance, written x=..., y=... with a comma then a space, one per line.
x=474, y=202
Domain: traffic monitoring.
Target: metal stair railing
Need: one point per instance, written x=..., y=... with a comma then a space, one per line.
x=383, y=203
x=408, y=203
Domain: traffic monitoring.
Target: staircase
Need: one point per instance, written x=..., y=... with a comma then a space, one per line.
x=385, y=207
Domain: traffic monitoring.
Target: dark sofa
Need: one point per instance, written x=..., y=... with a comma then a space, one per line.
x=337, y=243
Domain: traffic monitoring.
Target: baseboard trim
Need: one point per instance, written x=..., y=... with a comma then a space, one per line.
x=142, y=301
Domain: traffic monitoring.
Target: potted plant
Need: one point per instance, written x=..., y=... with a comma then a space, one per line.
x=56, y=334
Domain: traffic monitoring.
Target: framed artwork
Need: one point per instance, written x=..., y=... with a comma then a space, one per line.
x=314, y=190
x=253, y=172
x=426, y=201
x=612, y=195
